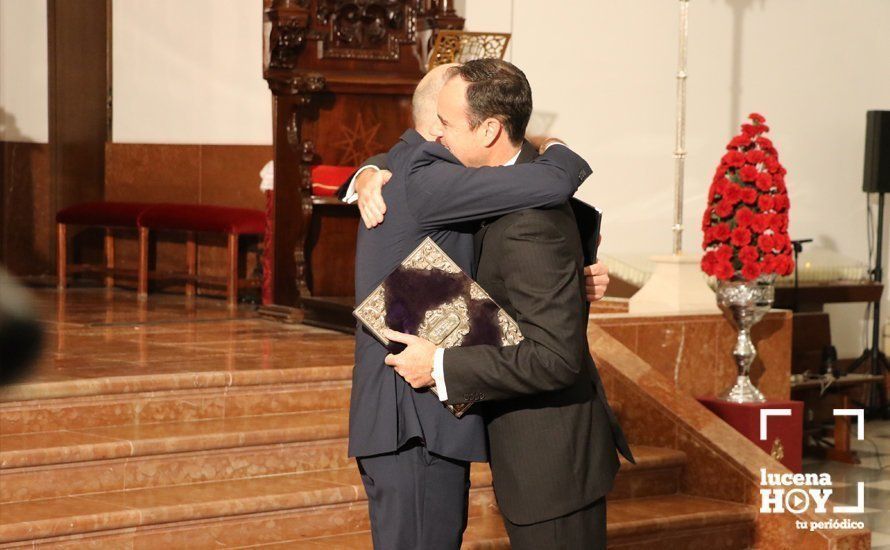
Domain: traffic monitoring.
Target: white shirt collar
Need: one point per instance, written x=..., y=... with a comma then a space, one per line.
x=512, y=161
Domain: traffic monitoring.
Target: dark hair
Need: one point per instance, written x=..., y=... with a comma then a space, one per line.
x=497, y=89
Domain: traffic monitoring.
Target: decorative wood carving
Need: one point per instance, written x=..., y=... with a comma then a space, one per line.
x=301, y=260
x=366, y=29
x=296, y=84
x=459, y=46
x=287, y=28
x=358, y=142
x=342, y=73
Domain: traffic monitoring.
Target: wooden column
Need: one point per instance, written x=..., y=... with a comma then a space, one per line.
x=232, y=279
x=79, y=66
x=191, y=260
x=142, y=289
x=109, y=257
x=62, y=255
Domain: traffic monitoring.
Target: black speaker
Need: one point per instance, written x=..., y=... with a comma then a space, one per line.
x=877, y=152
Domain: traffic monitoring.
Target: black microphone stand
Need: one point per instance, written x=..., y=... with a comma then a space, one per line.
x=877, y=361
x=798, y=248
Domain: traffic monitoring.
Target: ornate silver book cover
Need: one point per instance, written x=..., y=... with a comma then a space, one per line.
x=430, y=296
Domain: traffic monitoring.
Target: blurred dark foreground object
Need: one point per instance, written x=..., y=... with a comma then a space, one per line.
x=20, y=333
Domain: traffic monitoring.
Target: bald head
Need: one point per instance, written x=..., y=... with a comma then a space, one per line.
x=423, y=104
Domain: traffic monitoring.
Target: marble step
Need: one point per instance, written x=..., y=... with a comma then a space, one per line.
x=264, y=449
x=671, y=521
x=674, y=521
x=179, y=469
x=217, y=375
x=95, y=514
x=235, y=531
x=146, y=408
x=183, y=405
x=139, y=358
x=176, y=486
x=111, y=442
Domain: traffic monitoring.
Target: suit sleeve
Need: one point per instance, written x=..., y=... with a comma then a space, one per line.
x=379, y=160
x=543, y=284
x=345, y=191
x=441, y=191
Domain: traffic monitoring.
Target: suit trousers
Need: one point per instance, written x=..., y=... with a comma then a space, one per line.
x=584, y=529
x=417, y=500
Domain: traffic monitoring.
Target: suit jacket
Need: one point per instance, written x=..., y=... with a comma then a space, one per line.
x=552, y=433
x=430, y=196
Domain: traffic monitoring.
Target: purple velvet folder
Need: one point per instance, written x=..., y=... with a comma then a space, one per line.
x=430, y=296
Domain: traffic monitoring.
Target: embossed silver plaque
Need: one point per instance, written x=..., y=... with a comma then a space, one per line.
x=430, y=296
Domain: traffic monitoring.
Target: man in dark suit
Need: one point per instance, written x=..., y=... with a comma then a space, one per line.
x=553, y=435
x=413, y=454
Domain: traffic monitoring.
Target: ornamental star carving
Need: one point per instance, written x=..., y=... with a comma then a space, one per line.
x=358, y=142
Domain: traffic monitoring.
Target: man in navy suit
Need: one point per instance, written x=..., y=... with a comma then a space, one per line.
x=413, y=454
x=553, y=436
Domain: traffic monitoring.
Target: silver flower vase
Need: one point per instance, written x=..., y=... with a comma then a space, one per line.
x=747, y=302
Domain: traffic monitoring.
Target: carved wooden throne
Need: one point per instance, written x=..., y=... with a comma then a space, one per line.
x=342, y=73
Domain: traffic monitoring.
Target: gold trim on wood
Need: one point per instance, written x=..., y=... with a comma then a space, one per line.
x=778, y=450
x=460, y=47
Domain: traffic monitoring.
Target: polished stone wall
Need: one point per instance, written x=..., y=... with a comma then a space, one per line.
x=694, y=352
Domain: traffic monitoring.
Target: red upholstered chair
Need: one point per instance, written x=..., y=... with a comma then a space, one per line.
x=108, y=215
x=326, y=179
x=193, y=218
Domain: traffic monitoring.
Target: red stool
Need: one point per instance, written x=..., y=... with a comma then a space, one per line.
x=193, y=218
x=108, y=215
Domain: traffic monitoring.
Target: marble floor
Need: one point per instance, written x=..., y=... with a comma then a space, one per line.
x=874, y=470
x=95, y=335
x=107, y=345
x=176, y=423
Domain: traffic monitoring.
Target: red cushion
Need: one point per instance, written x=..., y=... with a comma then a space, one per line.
x=110, y=214
x=322, y=190
x=326, y=179
x=203, y=217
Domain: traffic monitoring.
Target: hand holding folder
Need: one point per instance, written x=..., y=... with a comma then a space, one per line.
x=429, y=296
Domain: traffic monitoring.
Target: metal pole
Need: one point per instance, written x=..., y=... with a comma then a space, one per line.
x=878, y=276
x=680, y=151
x=877, y=395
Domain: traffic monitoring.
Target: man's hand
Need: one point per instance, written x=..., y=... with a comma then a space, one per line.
x=547, y=143
x=415, y=363
x=369, y=186
x=541, y=143
x=596, y=280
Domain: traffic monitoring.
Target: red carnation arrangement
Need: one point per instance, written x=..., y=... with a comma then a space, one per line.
x=746, y=221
